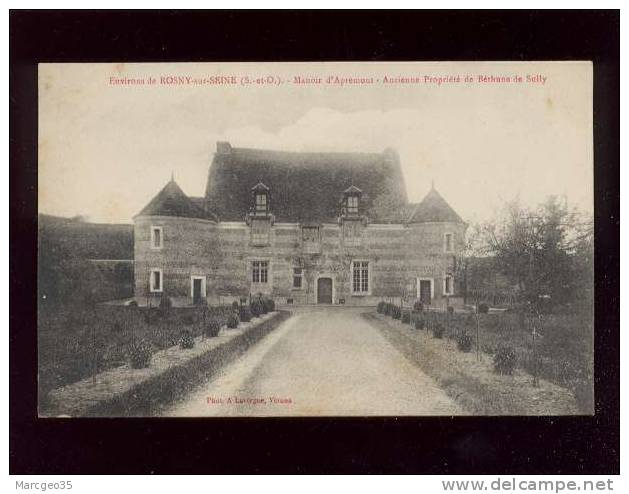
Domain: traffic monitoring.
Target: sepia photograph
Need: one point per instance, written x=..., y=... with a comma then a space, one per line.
x=315, y=239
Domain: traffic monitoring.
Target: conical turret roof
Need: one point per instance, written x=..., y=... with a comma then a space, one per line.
x=172, y=201
x=434, y=208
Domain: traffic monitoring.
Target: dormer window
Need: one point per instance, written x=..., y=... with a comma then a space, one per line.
x=260, y=203
x=351, y=200
x=352, y=205
x=260, y=199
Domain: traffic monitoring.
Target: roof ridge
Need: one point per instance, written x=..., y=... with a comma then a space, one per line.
x=289, y=151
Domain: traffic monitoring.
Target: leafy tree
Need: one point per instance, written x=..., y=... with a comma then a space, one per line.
x=547, y=250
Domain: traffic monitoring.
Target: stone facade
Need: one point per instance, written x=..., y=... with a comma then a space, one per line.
x=352, y=261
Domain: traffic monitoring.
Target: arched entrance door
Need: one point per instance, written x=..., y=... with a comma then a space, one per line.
x=324, y=291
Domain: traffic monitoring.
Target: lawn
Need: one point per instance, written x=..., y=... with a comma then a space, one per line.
x=79, y=341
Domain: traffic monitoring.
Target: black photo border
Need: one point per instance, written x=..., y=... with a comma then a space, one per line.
x=439, y=445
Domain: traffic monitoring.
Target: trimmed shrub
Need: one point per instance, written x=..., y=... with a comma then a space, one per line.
x=186, y=340
x=438, y=330
x=450, y=309
x=396, y=312
x=386, y=309
x=233, y=320
x=418, y=306
x=406, y=317
x=380, y=307
x=464, y=342
x=268, y=304
x=245, y=314
x=235, y=305
x=483, y=308
x=140, y=354
x=212, y=327
x=505, y=360
x=420, y=323
x=256, y=308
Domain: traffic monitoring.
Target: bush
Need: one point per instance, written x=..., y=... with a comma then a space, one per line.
x=450, y=309
x=380, y=307
x=268, y=304
x=233, y=320
x=235, y=305
x=464, y=342
x=186, y=340
x=256, y=308
x=418, y=306
x=483, y=308
x=140, y=354
x=133, y=303
x=505, y=360
x=213, y=327
x=396, y=312
x=245, y=314
x=420, y=323
x=438, y=330
x=406, y=317
x=387, y=309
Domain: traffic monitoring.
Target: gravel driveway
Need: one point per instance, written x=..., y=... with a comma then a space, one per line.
x=321, y=361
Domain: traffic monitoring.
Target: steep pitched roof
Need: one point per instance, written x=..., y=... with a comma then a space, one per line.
x=304, y=187
x=434, y=208
x=172, y=201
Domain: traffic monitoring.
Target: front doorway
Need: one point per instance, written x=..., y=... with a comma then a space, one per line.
x=324, y=291
x=425, y=291
x=198, y=290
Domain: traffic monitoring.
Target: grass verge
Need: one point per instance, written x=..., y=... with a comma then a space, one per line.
x=473, y=384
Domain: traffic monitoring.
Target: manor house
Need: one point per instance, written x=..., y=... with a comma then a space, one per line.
x=305, y=228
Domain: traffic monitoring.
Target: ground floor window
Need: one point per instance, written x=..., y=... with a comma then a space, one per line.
x=297, y=277
x=448, y=285
x=260, y=271
x=156, y=280
x=360, y=277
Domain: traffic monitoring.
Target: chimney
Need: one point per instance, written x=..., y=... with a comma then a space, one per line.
x=391, y=156
x=223, y=147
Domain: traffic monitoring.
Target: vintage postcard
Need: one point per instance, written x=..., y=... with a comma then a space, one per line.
x=315, y=239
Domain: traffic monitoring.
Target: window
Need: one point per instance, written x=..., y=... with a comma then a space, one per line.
x=447, y=242
x=157, y=240
x=260, y=271
x=352, y=204
x=360, y=277
x=156, y=280
x=448, y=285
x=297, y=277
x=260, y=203
x=260, y=232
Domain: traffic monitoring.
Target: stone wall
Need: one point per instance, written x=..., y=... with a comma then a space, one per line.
x=397, y=254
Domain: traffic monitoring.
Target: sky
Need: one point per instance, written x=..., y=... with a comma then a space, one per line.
x=106, y=148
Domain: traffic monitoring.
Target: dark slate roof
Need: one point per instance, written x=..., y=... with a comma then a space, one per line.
x=434, y=208
x=304, y=187
x=171, y=201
